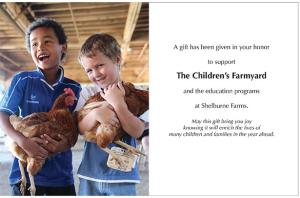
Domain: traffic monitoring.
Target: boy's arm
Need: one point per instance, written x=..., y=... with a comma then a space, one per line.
x=102, y=114
x=29, y=145
x=114, y=95
x=129, y=122
x=87, y=122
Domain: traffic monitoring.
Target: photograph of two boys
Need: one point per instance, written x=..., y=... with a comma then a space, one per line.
x=74, y=99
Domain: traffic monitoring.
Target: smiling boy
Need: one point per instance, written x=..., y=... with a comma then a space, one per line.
x=35, y=91
x=100, y=56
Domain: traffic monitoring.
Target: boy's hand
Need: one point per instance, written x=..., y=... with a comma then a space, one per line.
x=114, y=94
x=33, y=148
x=54, y=146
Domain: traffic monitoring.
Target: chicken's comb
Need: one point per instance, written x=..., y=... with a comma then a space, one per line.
x=69, y=91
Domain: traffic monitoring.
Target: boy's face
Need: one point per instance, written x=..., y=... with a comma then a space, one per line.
x=45, y=48
x=100, y=69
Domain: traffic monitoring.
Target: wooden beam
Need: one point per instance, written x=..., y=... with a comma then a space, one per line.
x=143, y=50
x=16, y=13
x=88, y=18
x=22, y=10
x=112, y=22
x=9, y=60
x=10, y=20
x=86, y=12
x=2, y=67
x=76, y=6
x=132, y=17
x=88, y=33
x=74, y=22
x=12, y=46
x=97, y=27
x=145, y=68
x=31, y=13
x=6, y=36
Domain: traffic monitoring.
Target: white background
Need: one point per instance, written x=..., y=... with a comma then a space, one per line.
x=219, y=165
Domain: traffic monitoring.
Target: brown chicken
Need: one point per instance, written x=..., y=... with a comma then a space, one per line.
x=104, y=133
x=59, y=120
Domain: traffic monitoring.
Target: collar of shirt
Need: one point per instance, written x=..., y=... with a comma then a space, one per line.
x=59, y=79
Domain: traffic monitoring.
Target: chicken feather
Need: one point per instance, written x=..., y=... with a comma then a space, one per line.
x=103, y=133
x=59, y=120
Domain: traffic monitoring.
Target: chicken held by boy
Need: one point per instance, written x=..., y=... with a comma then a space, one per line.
x=105, y=133
x=56, y=123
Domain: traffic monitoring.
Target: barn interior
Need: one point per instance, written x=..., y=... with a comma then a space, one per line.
x=127, y=22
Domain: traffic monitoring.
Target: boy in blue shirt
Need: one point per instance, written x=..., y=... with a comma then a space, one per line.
x=100, y=57
x=36, y=91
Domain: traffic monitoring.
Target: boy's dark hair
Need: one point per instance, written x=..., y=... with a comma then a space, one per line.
x=49, y=23
x=101, y=42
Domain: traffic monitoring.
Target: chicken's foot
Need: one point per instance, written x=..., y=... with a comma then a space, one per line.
x=23, y=178
x=32, y=188
x=130, y=148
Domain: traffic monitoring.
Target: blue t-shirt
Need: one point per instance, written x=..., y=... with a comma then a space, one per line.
x=28, y=93
x=93, y=165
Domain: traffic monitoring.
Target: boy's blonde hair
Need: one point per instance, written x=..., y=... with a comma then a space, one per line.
x=103, y=43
